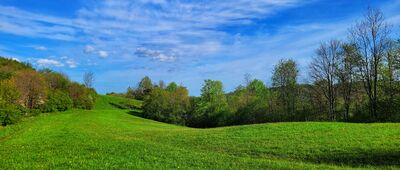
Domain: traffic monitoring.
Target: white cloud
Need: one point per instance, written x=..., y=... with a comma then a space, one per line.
x=41, y=48
x=103, y=54
x=89, y=49
x=155, y=55
x=49, y=63
x=71, y=63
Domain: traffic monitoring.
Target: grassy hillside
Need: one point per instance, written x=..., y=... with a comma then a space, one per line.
x=109, y=138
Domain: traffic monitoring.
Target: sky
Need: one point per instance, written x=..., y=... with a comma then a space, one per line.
x=185, y=41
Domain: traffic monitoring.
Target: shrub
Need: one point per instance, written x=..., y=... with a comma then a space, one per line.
x=9, y=114
x=57, y=101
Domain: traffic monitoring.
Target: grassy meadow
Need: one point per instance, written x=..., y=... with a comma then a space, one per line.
x=110, y=138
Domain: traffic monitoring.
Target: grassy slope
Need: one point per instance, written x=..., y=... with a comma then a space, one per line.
x=110, y=138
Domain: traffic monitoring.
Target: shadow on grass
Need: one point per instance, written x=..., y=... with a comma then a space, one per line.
x=136, y=112
x=356, y=158
x=124, y=106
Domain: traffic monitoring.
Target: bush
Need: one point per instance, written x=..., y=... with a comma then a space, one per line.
x=9, y=114
x=57, y=101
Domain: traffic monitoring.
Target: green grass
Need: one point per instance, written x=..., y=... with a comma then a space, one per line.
x=109, y=138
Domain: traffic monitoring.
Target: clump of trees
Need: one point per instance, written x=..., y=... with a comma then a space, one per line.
x=26, y=92
x=168, y=104
x=211, y=108
x=355, y=80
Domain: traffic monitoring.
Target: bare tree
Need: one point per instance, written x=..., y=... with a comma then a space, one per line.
x=323, y=71
x=161, y=84
x=371, y=36
x=88, y=79
x=247, y=81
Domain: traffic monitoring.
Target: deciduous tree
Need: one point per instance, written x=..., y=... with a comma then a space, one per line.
x=324, y=72
x=371, y=35
x=88, y=79
x=32, y=87
x=285, y=80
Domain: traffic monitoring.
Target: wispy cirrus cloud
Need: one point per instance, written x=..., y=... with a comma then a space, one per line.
x=41, y=48
x=188, y=28
x=24, y=23
x=183, y=40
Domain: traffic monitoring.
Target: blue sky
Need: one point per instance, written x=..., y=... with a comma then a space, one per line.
x=183, y=41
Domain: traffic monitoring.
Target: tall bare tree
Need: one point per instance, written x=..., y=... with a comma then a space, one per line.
x=371, y=35
x=247, y=81
x=88, y=79
x=323, y=71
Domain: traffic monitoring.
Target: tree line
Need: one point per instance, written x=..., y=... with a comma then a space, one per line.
x=25, y=91
x=355, y=80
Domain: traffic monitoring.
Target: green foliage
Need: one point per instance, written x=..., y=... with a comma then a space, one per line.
x=212, y=108
x=167, y=105
x=9, y=113
x=8, y=92
x=130, y=93
x=8, y=67
x=55, y=80
x=172, y=87
x=155, y=106
x=57, y=101
x=250, y=102
x=26, y=92
x=284, y=79
x=144, y=88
